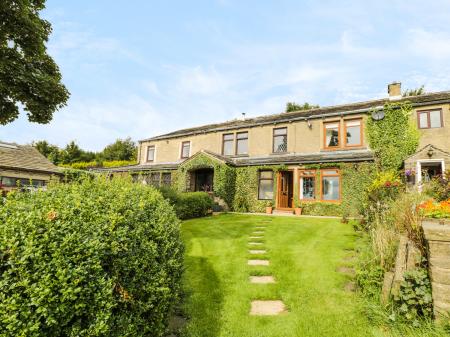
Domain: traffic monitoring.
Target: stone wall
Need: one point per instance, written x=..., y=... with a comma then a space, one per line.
x=438, y=239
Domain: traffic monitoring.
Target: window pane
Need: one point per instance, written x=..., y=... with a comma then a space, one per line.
x=330, y=188
x=332, y=137
x=423, y=120
x=280, y=144
x=266, y=174
x=280, y=132
x=330, y=172
x=242, y=146
x=265, y=189
x=308, y=188
x=307, y=173
x=166, y=179
x=228, y=148
x=353, y=135
x=9, y=182
x=185, y=150
x=154, y=179
x=229, y=136
x=151, y=153
x=435, y=119
x=242, y=135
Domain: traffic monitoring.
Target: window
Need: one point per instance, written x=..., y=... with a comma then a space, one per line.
x=151, y=153
x=331, y=131
x=429, y=119
x=185, y=149
x=166, y=179
x=353, y=133
x=308, y=185
x=279, y=140
x=20, y=182
x=265, y=190
x=227, y=146
x=155, y=179
x=242, y=143
x=331, y=185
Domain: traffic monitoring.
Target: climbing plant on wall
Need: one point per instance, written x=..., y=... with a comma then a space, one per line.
x=224, y=175
x=394, y=137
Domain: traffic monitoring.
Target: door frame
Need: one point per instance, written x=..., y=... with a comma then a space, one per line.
x=419, y=168
x=279, y=190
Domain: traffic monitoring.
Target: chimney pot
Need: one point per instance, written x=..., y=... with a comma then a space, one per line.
x=395, y=90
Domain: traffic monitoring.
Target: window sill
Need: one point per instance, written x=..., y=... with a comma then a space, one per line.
x=279, y=153
x=347, y=148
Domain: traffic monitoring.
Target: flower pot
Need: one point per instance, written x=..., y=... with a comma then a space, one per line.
x=298, y=211
x=269, y=209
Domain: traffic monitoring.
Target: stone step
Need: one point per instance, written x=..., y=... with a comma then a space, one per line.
x=256, y=243
x=258, y=262
x=256, y=237
x=262, y=279
x=257, y=251
x=267, y=308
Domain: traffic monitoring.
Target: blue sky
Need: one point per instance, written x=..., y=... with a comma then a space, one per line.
x=142, y=68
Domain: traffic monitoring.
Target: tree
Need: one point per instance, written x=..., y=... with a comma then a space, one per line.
x=52, y=152
x=414, y=92
x=120, y=150
x=28, y=75
x=292, y=106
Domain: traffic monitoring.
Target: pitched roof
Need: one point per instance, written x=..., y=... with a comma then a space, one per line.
x=345, y=109
x=24, y=157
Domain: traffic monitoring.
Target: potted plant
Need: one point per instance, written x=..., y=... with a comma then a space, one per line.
x=298, y=208
x=269, y=207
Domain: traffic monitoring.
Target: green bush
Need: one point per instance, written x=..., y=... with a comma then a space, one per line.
x=322, y=208
x=414, y=300
x=91, y=258
x=188, y=205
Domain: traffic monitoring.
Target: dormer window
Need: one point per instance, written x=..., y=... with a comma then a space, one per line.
x=151, y=153
x=185, y=150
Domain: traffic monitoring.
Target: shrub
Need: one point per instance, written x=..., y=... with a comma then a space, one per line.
x=414, y=300
x=188, y=205
x=91, y=258
x=439, y=187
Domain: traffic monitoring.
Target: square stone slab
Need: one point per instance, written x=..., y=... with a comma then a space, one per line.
x=258, y=232
x=260, y=227
x=262, y=279
x=256, y=237
x=258, y=262
x=257, y=251
x=255, y=243
x=267, y=308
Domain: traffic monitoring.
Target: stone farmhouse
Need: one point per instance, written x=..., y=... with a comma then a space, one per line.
x=289, y=157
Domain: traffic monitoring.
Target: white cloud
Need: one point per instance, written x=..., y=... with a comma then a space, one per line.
x=431, y=45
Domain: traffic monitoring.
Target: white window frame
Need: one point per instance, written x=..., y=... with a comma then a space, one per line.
x=154, y=154
x=419, y=168
x=181, y=149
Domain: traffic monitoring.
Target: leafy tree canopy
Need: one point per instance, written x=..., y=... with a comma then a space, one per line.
x=28, y=75
x=292, y=106
x=120, y=150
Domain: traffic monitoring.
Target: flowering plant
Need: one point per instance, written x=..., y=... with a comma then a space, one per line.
x=434, y=209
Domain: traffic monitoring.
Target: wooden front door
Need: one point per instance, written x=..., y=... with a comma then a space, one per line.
x=285, y=189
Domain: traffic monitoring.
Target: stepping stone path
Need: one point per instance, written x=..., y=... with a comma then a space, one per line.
x=257, y=251
x=262, y=279
x=260, y=307
x=267, y=308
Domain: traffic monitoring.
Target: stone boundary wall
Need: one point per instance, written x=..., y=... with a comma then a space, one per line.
x=437, y=236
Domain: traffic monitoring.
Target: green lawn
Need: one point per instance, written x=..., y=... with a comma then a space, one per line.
x=304, y=253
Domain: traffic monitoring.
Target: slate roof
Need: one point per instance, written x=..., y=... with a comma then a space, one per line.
x=24, y=157
x=274, y=159
x=345, y=109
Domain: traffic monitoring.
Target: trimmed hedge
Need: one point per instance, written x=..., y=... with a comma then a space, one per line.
x=189, y=205
x=91, y=258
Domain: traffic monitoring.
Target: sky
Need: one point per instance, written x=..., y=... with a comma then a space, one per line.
x=141, y=68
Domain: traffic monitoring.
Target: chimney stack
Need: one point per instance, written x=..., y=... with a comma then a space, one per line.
x=395, y=90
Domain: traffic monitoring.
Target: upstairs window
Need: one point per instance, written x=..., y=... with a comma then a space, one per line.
x=265, y=186
x=353, y=133
x=242, y=143
x=308, y=185
x=280, y=140
x=331, y=185
x=331, y=131
x=185, y=150
x=430, y=119
x=227, y=144
x=151, y=153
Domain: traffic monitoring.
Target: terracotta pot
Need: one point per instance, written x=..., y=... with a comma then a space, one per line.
x=298, y=211
x=269, y=210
